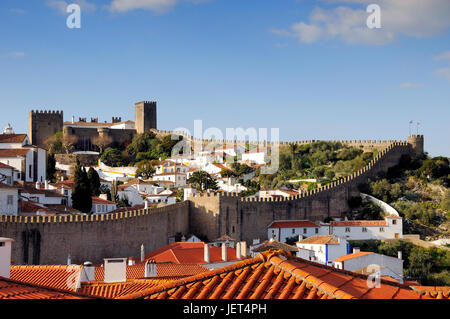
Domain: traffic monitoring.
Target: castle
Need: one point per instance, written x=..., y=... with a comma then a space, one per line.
x=44, y=124
x=50, y=239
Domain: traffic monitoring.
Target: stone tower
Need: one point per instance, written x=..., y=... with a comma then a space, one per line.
x=43, y=124
x=145, y=116
x=417, y=145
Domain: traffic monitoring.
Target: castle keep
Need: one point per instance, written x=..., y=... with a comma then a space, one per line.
x=44, y=124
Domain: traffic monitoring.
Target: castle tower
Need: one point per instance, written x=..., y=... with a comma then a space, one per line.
x=417, y=144
x=43, y=124
x=145, y=116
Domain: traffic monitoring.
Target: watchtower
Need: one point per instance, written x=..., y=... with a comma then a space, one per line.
x=43, y=124
x=417, y=144
x=145, y=116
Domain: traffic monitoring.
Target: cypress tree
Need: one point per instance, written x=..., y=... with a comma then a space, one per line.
x=51, y=168
x=94, y=181
x=81, y=191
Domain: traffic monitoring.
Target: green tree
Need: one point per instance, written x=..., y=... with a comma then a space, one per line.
x=420, y=264
x=145, y=169
x=435, y=168
x=81, y=191
x=201, y=180
x=112, y=157
x=51, y=168
x=94, y=181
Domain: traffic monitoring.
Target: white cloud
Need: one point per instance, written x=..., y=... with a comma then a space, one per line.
x=443, y=72
x=17, y=11
x=61, y=6
x=443, y=56
x=407, y=85
x=159, y=6
x=347, y=22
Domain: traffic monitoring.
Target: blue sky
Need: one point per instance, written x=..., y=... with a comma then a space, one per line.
x=311, y=68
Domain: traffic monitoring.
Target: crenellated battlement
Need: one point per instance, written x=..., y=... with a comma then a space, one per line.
x=46, y=112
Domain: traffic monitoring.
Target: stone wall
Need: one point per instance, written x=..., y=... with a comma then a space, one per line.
x=49, y=240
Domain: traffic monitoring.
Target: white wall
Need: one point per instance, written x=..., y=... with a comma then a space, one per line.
x=5, y=257
x=281, y=234
x=11, y=209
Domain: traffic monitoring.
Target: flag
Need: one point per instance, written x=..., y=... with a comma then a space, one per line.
x=418, y=123
x=410, y=122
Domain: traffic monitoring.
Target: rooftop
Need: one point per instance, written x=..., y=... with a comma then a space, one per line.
x=279, y=275
x=366, y=223
x=353, y=255
x=320, y=240
x=12, y=138
x=292, y=224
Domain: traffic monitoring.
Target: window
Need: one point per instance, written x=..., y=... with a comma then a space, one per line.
x=233, y=229
x=2, y=243
x=347, y=229
x=10, y=200
x=394, y=222
x=293, y=230
x=304, y=230
x=381, y=229
x=317, y=230
x=364, y=230
x=30, y=170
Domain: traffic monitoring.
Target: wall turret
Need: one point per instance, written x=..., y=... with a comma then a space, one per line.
x=417, y=144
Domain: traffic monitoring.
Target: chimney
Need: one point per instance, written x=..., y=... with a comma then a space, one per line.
x=69, y=260
x=224, y=252
x=206, y=254
x=238, y=250
x=399, y=254
x=142, y=253
x=46, y=184
x=73, y=119
x=145, y=203
x=151, y=269
x=5, y=256
x=115, y=270
x=243, y=249
x=131, y=261
x=87, y=272
x=356, y=250
x=38, y=185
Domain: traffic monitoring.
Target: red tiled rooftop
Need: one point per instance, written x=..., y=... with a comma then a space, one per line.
x=292, y=224
x=13, y=289
x=12, y=138
x=189, y=253
x=98, y=200
x=354, y=255
x=320, y=240
x=2, y=165
x=279, y=275
x=54, y=276
x=113, y=290
x=14, y=152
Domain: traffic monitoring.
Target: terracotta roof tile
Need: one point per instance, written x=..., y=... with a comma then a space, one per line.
x=354, y=255
x=12, y=138
x=277, y=274
x=14, y=152
x=13, y=289
x=320, y=240
x=358, y=223
x=292, y=224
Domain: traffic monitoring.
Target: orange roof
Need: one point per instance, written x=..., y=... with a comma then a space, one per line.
x=13, y=289
x=358, y=223
x=31, y=207
x=12, y=138
x=59, y=276
x=189, y=253
x=353, y=255
x=292, y=224
x=14, y=152
x=113, y=290
x=275, y=245
x=278, y=275
x=320, y=240
x=163, y=270
x=2, y=165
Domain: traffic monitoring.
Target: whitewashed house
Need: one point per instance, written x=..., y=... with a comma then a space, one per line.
x=29, y=161
x=389, y=228
x=280, y=230
x=167, y=197
x=178, y=179
x=9, y=200
x=326, y=248
x=102, y=206
x=369, y=262
x=256, y=156
x=6, y=174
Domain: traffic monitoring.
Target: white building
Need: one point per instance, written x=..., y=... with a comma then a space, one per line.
x=102, y=206
x=29, y=161
x=280, y=230
x=277, y=193
x=215, y=168
x=369, y=262
x=167, y=197
x=178, y=179
x=326, y=248
x=389, y=228
x=256, y=156
x=6, y=174
x=5, y=256
x=9, y=200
